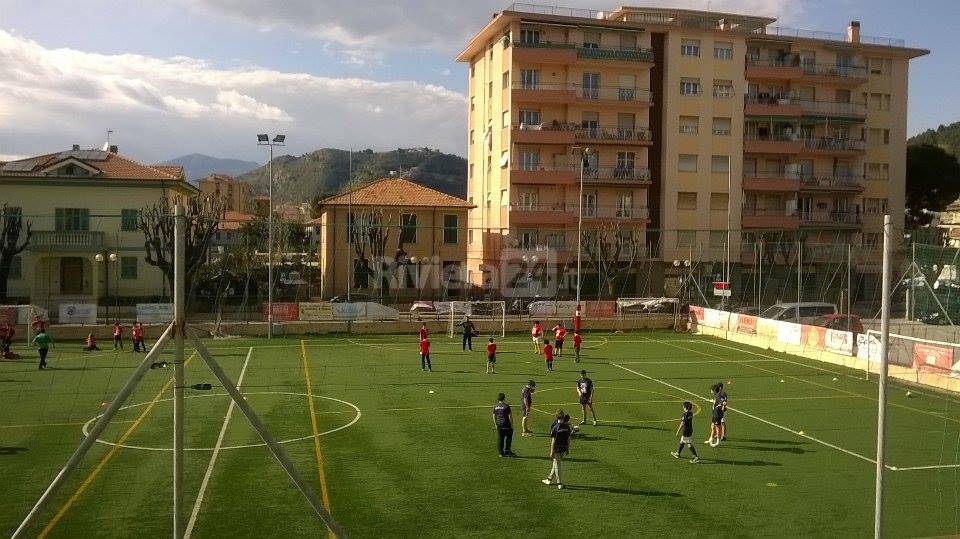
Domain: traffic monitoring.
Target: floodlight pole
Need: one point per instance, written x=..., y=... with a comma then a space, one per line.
x=882, y=383
x=583, y=159
x=264, y=140
x=179, y=323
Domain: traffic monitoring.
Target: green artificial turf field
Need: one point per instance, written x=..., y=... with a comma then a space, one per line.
x=409, y=453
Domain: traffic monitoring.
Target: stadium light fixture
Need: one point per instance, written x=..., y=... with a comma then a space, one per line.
x=263, y=139
x=279, y=139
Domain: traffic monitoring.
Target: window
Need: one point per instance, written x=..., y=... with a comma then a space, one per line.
x=128, y=220
x=471, y=137
x=529, y=160
x=16, y=268
x=505, y=119
x=723, y=50
x=473, y=102
x=718, y=238
x=527, y=200
x=686, y=201
x=589, y=204
x=529, y=37
x=625, y=163
x=689, y=124
x=628, y=42
x=722, y=88
x=470, y=236
x=556, y=240
x=689, y=86
x=721, y=126
x=875, y=205
x=718, y=201
x=529, y=79
x=872, y=239
x=688, y=163
x=451, y=228
x=505, y=80
x=471, y=170
x=504, y=159
x=625, y=205
x=128, y=267
x=591, y=40
x=878, y=171
x=72, y=219
x=686, y=238
x=527, y=238
x=408, y=228
x=490, y=89
x=529, y=117
x=720, y=163
x=591, y=85
x=690, y=47
x=626, y=87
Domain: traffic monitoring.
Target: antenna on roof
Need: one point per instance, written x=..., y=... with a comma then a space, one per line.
x=106, y=145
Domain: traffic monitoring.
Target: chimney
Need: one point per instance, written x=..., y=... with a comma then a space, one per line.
x=853, y=32
x=726, y=25
x=76, y=147
x=113, y=149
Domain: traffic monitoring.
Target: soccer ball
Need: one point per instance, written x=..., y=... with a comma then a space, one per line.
x=576, y=428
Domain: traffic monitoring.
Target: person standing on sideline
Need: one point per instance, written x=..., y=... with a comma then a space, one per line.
x=722, y=395
x=685, y=432
x=425, y=355
x=577, y=341
x=548, y=354
x=536, y=333
x=491, y=357
x=43, y=342
x=526, y=405
x=136, y=334
x=716, y=417
x=423, y=331
x=117, y=335
x=469, y=330
x=559, y=447
x=503, y=419
x=559, y=334
x=585, y=395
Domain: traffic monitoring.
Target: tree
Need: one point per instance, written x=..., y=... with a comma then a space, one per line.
x=933, y=182
x=370, y=231
x=11, y=228
x=612, y=252
x=203, y=216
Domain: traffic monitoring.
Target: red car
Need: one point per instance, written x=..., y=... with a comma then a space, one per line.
x=836, y=321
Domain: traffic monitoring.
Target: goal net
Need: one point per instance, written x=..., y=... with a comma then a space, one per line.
x=930, y=362
x=489, y=317
x=24, y=319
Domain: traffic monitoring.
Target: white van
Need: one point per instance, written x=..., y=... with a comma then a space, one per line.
x=788, y=311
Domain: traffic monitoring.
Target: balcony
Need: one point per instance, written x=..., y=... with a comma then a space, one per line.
x=776, y=218
x=615, y=55
x=786, y=68
x=612, y=95
x=543, y=174
x=776, y=143
x=553, y=133
x=48, y=240
x=832, y=73
x=543, y=93
x=782, y=182
x=831, y=182
x=771, y=105
x=833, y=146
x=618, y=175
x=830, y=219
x=830, y=109
x=544, y=53
x=616, y=213
x=542, y=214
x=611, y=134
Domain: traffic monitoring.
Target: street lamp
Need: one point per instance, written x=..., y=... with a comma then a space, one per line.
x=264, y=140
x=104, y=258
x=584, y=157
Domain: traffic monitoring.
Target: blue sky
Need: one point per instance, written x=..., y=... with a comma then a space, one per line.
x=178, y=76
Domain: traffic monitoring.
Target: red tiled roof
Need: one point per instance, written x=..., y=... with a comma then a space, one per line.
x=396, y=192
x=111, y=166
x=233, y=219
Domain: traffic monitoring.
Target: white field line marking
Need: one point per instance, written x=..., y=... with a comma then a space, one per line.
x=697, y=362
x=751, y=416
x=931, y=467
x=216, y=452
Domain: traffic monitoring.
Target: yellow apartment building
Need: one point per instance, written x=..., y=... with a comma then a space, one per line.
x=83, y=207
x=408, y=241
x=235, y=193
x=692, y=123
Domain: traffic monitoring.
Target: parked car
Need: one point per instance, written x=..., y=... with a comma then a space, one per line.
x=842, y=322
x=789, y=311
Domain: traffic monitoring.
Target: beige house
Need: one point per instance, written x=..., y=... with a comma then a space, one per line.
x=83, y=206
x=408, y=241
x=235, y=193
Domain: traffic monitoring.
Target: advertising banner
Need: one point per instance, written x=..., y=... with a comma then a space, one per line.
x=154, y=313
x=282, y=312
x=592, y=309
x=747, y=324
x=376, y=311
x=789, y=332
x=348, y=311
x=932, y=357
x=868, y=347
x=696, y=314
x=813, y=336
x=315, y=311
x=839, y=341
x=78, y=313
x=767, y=328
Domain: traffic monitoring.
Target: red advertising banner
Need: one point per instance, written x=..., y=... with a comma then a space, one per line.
x=600, y=309
x=813, y=336
x=696, y=314
x=282, y=312
x=930, y=357
x=747, y=324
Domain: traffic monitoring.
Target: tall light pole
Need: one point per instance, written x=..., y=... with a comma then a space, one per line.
x=264, y=140
x=584, y=156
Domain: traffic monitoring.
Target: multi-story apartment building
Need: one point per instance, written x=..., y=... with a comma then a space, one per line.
x=236, y=193
x=693, y=124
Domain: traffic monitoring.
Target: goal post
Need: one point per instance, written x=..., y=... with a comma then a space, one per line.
x=490, y=317
x=25, y=319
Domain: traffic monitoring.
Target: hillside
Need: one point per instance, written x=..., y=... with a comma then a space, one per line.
x=945, y=136
x=325, y=171
x=197, y=165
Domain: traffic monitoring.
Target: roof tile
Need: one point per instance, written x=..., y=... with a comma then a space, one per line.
x=395, y=192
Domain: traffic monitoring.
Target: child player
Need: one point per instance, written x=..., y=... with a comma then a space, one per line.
x=716, y=418
x=685, y=432
x=117, y=335
x=526, y=405
x=425, y=355
x=559, y=334
x=491, y=357
x=536, y=333
x=423, y=331
x=137, y=335
x=548, y=354
x=585, y=396
x=577, y=341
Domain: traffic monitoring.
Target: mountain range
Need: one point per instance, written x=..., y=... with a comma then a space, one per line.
x=944, y=136
x=197, y=166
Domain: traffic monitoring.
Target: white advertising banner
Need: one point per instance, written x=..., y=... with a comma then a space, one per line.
x=375, y=311
x=711, y=318
x=348, y=311
x=839, y=341
x=78, y=313
x=154, y=313
x=868, y=347
x=789, y=332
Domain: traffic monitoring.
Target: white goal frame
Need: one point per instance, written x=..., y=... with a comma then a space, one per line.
x=459, y=310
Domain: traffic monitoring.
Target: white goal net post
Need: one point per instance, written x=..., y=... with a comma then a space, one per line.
x=627, y=307
x=25, y=320
x=490, y=317
x=926, y=361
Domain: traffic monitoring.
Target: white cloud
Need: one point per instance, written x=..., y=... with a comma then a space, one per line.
x=161, y=107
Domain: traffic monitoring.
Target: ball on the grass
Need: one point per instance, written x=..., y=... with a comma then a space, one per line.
x=431, y=391
x=909, y=393
x=576, y=428
x=800, y=432
x=782, y=380
x=834, y=378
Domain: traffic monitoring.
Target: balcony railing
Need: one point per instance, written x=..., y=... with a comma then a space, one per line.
x=769, y=99
x=589, y=211
x=612, y=93
x=769, y=212
x=836, y=217
x=834, y=144
x=829, y=180
x=613, y=133
x=76, y=240
x=590, y=52
x=831, y=108
x=773, y=137
x=616, y=173
x=827, y=36
x=832, y=70
x=789, y=60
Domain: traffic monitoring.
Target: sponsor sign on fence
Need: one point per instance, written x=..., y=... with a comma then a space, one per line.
x=78, y=313
x=839, y=341
x=349, y=311
x=154, y=313
x=309, y=312
x=282, y=312
x=932, y=357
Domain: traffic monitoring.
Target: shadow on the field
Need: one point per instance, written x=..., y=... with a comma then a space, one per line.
x=762, y=441
x=755, y=462
x=632, y=492
x=567, y=459
x=634, y=427
x=793, y=450
x=9, y=450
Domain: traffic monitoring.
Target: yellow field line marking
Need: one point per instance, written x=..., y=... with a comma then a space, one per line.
x=321, y=472
x=106, y=458
x=77, y=424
